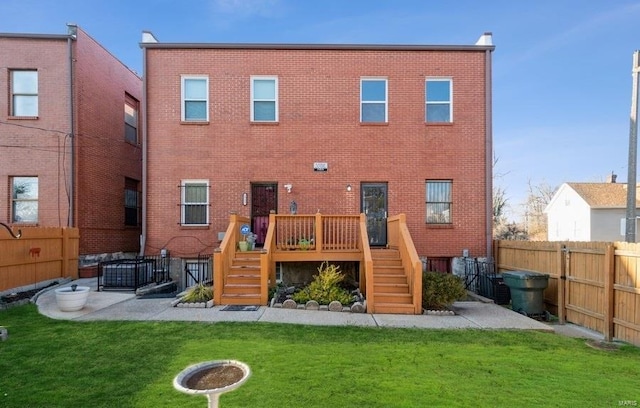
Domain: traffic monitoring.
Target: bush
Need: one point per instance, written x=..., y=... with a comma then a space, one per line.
x=440, y=290
x=198, y=293
x=325, y=287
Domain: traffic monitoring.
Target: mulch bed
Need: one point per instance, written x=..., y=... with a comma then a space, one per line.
x=19, y=298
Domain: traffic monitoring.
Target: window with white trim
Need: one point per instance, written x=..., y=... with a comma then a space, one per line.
x=194, y=199
x=264, y=99
x=438, y=100
x=195, y=99
x=24, y=200
x=131, y=119
x=24, y=93
x=373, y=100
x=438, y=201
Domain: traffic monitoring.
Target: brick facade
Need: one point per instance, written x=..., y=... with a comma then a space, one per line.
x=319, y=121
x=41, y=146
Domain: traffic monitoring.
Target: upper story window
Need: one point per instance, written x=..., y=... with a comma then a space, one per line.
x=438, y=100
x=131, y=119
x=24, y=93
x=195, y=99
x=131, y=202
x=24, y=200
x=264, y=99
x=194, y=202
x=439, y=201
x=373, y=100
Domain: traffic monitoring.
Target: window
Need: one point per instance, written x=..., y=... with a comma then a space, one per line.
x=373, y=100
x=131, y=203
x=438, y=101
x=195, y=202
x=195, y=99
x=131, y=120
x=24, y=93
x=439, y=201
x=24, y=200
x=264, y=99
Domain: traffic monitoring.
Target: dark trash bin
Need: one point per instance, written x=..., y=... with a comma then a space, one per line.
x=527, y=291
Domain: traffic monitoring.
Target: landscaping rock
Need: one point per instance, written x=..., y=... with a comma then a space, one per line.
x=4, y=333
x=289, y=304
x=335, y=306
x=312, y=305
x=358, y=308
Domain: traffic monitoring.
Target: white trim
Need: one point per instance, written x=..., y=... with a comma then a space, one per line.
x=386, y=97
x=450, y=102
x=183, y=184
x=275, y=100
x=183, y=78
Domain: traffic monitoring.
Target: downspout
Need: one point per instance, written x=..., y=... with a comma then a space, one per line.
x=489, y=151
x=487, y=40
x=143, y=232
x=72, y=30
x=147, y=37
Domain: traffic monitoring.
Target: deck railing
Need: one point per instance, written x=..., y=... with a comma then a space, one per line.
x=316, y=232
x=400, y=238
x=223, y=256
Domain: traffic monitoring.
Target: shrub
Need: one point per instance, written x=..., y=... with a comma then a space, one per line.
x=325, y=287
x=198, y=293
x=440, y=290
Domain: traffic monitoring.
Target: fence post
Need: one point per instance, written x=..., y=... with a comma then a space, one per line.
x=562, y=280
x=609, y=271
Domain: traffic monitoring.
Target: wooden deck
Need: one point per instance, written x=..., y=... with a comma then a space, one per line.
x=245, y=277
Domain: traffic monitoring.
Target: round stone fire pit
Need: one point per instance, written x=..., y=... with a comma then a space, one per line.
x=212, y=378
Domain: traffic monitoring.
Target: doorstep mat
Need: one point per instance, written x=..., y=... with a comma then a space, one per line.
x=239, y=308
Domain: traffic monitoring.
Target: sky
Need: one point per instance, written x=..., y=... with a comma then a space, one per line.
x=562, y=69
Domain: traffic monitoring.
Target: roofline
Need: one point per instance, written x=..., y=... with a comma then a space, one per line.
x=333, y=47
x=37, y=36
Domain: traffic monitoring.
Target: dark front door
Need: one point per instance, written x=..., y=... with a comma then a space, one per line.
x=264, y=199
x=374, y=206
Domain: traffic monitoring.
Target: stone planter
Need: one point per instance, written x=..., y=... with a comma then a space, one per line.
x=212, y=378
x=72, y=298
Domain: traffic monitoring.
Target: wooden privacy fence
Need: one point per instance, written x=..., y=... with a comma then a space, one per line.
x=40, y=254
x=592, y=284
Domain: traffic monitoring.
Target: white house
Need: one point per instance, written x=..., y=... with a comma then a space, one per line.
x=588, y=212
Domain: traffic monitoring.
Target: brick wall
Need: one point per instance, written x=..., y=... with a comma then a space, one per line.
x=318, y=122
x=41, y=146
x=105, y=159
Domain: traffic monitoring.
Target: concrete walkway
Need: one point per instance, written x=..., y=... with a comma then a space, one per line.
x=110, y=305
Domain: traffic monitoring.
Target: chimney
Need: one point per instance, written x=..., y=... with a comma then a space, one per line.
x=612, y=178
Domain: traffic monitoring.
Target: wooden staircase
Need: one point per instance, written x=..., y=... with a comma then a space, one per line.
x=242, y=286
x=390, y=287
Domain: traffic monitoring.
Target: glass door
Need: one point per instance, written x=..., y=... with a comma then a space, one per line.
x=374, y=206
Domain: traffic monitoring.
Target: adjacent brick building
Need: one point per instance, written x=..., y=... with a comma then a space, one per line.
x=70, y=139
x=336, y=129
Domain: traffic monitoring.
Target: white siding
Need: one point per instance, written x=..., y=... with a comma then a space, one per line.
x=568, y=217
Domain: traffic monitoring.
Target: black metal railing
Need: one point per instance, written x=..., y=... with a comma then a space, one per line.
x=198, y=270
x=133, y=273
x=481, y=278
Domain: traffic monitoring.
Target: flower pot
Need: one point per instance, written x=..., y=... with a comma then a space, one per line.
x=243, y=245
x=212, y=378
x=72, y=298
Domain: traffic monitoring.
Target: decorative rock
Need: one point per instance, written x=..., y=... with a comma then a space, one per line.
x=273, y=302
x=357, y=308
x=278, y=305
x=324, y=308
x=300, y=307
x=312, y=305
x=335, y=306
x=4, y=334
x=346, y=309
x=289, y=304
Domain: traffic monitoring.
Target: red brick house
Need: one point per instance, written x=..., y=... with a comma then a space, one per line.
x=260, y=129
x=70, y=139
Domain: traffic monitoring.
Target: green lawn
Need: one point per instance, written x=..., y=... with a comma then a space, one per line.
x=49, y=363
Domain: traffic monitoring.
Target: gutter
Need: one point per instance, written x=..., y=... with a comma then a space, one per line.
x=143, y=106
x=72, y=35
x=489, y=150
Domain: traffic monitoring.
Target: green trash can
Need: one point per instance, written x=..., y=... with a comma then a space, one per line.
x=527, y=291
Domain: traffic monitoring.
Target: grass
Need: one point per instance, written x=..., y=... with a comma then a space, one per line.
x=50, y=363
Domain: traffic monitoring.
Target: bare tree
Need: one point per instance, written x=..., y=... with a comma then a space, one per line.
x=535, y=219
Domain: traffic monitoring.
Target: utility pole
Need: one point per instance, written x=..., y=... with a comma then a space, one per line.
x=630, y=227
